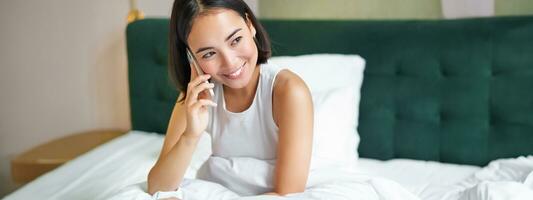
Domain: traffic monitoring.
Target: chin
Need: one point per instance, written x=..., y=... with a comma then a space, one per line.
x=238, y=84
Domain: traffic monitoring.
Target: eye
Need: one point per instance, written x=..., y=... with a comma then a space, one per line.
x=236, y=41
x=208, y=55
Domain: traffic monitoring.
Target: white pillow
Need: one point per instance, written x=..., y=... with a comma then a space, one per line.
x=324, y=71
x=335, y=138
x=335, y=83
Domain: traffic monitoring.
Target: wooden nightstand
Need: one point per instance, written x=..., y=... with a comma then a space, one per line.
x=46, y=157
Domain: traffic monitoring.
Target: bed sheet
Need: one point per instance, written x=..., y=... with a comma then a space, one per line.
x=419, y=177
x=126, y=160
x=98, y=173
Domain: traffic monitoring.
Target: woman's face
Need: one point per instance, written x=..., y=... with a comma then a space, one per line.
x=223, y=44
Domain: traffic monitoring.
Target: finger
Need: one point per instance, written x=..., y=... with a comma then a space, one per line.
x=203, y=86
x=194, y=92
x=205, y=94
x=197, y=81
x=203, y=102
x=200, y=105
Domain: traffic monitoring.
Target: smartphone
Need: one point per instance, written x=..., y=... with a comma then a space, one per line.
x=198, y=69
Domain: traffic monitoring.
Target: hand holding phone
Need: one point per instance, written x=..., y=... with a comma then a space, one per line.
x=192, y=60
x=196, y=107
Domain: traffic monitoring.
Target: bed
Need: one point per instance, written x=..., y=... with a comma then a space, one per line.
x=445, y=110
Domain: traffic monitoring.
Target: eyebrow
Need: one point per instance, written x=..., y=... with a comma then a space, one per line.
x=227, y=38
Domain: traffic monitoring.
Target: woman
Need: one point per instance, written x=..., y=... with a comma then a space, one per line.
x=257, y=111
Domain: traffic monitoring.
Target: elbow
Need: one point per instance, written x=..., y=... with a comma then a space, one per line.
x=283, y=192
x=156, y=181
x=150, y=183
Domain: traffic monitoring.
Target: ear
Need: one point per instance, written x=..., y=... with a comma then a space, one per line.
x=250, y=25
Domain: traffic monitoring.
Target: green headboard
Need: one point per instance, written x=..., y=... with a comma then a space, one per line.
x=458, y=91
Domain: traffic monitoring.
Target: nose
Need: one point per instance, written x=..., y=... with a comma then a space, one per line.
x=229, y=59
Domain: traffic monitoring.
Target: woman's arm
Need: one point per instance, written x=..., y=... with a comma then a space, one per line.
x=187, y=123
x=172, y=156
x=293, y=113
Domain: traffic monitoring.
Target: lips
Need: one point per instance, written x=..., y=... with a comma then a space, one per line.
x=235, y=73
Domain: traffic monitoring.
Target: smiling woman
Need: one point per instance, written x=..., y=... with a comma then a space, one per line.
x=259, y=115
x=217, y=24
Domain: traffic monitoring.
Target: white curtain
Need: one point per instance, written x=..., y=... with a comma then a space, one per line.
x=467, y=8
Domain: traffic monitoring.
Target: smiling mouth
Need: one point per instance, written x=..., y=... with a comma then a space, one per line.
x=235, y=73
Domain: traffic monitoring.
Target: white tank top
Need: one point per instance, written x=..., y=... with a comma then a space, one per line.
x=251, y=133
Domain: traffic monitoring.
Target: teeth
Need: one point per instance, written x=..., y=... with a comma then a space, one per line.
x=236, y=73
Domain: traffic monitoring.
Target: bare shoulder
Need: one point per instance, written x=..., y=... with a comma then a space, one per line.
x=290, y=95
x=288, y=83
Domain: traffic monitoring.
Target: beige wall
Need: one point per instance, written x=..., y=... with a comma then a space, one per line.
x=62, y=70
x=349, y=9
x=373, y=9
x=514, y=7
x=155, y=8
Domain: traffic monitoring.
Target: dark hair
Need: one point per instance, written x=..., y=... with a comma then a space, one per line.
x=183, y=12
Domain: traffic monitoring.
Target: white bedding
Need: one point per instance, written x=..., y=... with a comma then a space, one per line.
x=120, y=167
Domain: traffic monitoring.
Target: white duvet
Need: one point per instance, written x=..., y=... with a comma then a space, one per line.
x=118, y=169
x=241, y=178
x=501, y=179
x=246, y=178
x=324, y=184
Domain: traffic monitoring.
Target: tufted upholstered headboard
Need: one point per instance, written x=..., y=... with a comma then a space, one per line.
x=458, y=91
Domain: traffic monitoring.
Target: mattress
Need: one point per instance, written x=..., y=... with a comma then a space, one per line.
x=126, y=160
